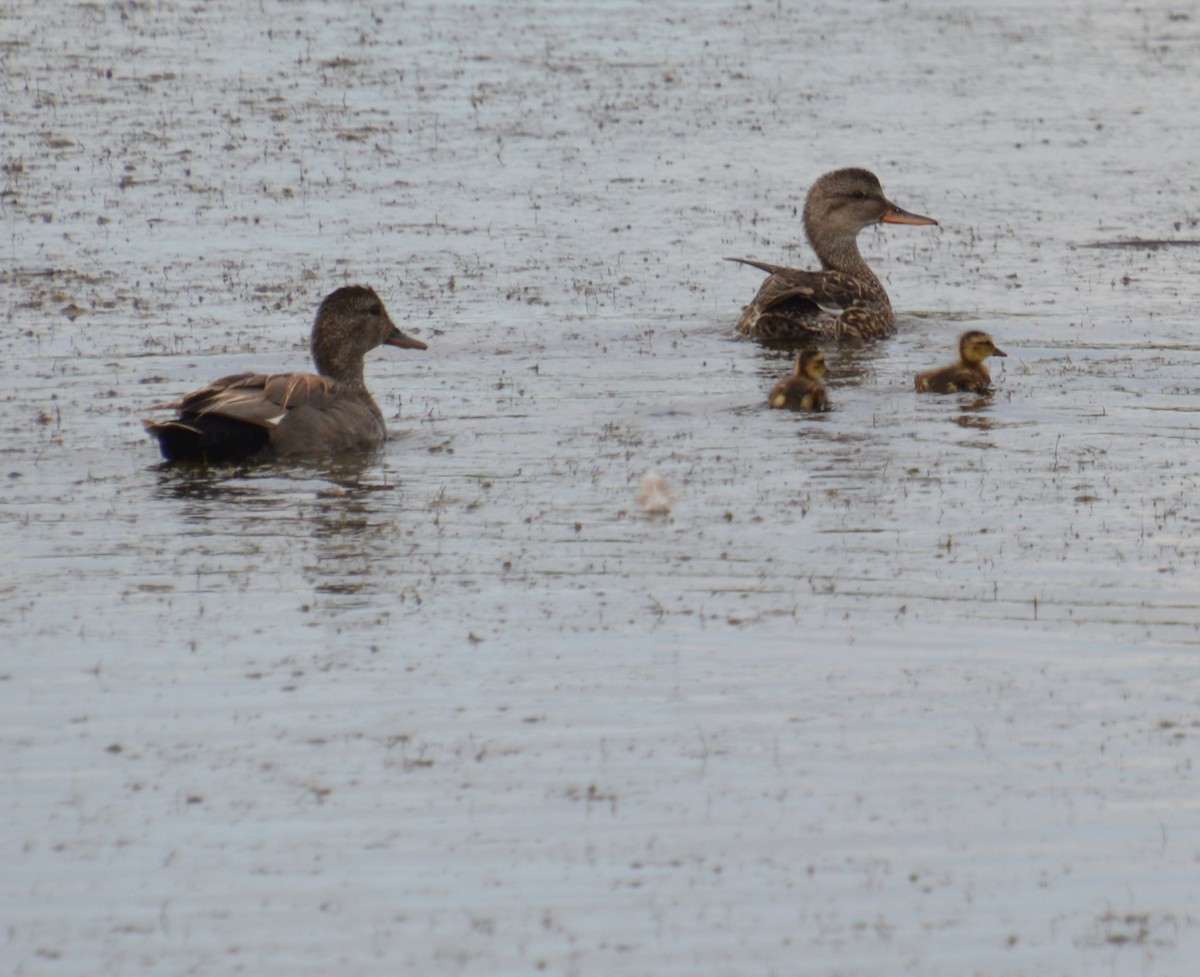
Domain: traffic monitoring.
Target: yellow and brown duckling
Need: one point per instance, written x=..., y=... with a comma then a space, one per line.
x=844, y=300
x=803, y=390
x=968, y=375
x=256, y=415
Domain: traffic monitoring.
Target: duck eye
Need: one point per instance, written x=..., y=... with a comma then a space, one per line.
x=376, y=309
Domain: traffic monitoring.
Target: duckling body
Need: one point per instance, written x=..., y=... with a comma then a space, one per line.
x=968, y=375
x=251, y=415
x=844, y=300
x=803, y=390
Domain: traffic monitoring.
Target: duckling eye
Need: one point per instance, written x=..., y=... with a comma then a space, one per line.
x=375, y=310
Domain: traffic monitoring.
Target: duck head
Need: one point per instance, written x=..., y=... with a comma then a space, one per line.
x=842, y=203
x=976, y=346
x=350, y=323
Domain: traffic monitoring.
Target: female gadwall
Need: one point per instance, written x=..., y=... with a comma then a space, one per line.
x=290, y=414
x=803, y=390
x=968, y=375
x=844, y=300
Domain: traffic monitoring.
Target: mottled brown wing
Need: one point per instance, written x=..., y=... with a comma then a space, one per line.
x=831, y=289
x=300, y=390
x=782, y=284
x=785, y=286
x=256, y=398
x=827, y=290
x=188, y=400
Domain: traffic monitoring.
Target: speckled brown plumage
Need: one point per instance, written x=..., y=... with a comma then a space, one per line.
x=844, y=300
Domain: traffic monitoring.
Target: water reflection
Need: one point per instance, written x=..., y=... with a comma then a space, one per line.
x=335, y=523
x=855, y=363
x=974, y=414
x=266, y=483
x=847, y=363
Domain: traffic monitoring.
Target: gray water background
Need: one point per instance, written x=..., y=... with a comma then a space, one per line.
x=910, y=687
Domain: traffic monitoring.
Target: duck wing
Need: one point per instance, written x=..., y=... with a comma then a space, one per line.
x=255, y=398
x=830, y=291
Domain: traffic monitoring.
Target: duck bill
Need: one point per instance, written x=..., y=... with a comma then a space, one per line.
x=397, y=338
x=997, y=351
x=898, y=215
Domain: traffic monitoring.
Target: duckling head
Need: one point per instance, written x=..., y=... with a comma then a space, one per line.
x=811, y=364
x=976, y=346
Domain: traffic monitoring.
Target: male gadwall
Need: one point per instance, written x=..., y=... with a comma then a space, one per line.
x=968, y=375
x=803, y=390
x=291, y=414
x=844, y=300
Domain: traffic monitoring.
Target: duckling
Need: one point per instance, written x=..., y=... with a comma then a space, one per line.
x=803, y=390
x=968, y=375
x=844, y=300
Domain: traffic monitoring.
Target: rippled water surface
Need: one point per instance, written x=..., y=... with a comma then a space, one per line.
x=906, y=688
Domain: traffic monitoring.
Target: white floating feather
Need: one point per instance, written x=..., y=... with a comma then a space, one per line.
x=655, y=495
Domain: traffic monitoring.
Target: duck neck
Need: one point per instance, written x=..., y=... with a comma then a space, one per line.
x=840, y=253
x=346, y=370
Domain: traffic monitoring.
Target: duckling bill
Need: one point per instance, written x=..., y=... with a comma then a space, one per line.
x=253, y=415
x=968, y=375
x=803, y=390
x=844, y=300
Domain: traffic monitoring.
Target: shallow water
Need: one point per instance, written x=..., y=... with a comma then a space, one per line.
x=908, y=687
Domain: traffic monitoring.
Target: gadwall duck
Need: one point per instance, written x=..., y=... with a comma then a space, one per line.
x=968, y=375
x=291, y=414
x=844, y=300
x=803, y=390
